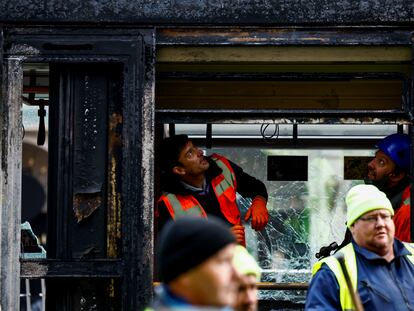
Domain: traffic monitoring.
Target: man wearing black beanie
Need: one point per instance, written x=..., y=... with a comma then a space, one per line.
x=195, y=264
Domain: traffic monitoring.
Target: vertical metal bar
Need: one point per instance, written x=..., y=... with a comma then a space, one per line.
x=146, y=235
x=171, y=129
x=11, y=135
x=43, y=286
x=295, y=133
x=60, y=160
x=138, y=183
x=28, y=294
x=411, y=133
x=209, y=134
x=3, y=163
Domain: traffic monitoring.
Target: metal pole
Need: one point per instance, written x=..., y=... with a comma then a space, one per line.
x=354, y=294
x=410, y=110
x=43, y=285
x=28, y=300
x=411, y=133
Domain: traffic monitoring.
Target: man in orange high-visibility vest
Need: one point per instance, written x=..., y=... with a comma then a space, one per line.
x=389, y=171
x=194, y=184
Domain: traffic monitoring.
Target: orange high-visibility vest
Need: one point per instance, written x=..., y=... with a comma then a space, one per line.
x=224, y=186
x=402, y=218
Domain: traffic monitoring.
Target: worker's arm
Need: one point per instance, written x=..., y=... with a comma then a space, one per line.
x=402, y=223
x=323, y=292
x=249, y=186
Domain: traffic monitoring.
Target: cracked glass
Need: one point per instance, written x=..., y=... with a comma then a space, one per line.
x=304, y=215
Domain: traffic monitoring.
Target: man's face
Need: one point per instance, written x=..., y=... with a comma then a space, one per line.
x=380, y=169
x=375, y=231
x=246, y=299
x=214, y=282
x=192, y=160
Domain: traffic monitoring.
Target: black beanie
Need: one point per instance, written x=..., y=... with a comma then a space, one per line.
x=189, y=241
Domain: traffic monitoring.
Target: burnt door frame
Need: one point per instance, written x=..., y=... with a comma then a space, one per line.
x=134, y=49
x=10, y=181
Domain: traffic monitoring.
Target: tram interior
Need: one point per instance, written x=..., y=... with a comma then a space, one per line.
x=306, y=205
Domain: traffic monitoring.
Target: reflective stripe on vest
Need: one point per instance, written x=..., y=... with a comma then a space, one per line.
x=406, y=196
x=410, y=247
x=228, y=178
x=224, y=186
x=333, y=264
x=350, y=262
x=179, y=205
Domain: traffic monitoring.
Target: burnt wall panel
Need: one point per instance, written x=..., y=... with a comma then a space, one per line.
x=81, y=98
x=91, y=89
x=272, y=12
x=89, y=144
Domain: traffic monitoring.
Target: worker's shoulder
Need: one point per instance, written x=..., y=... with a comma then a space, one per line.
x=216, y=156
x=410, y=247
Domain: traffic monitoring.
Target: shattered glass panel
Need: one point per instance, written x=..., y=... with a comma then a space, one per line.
x=304, y=215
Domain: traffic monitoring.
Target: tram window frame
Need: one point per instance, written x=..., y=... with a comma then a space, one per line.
x=166, y=119
x=222, y=138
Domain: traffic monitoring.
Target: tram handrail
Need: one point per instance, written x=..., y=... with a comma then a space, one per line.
x=282, y=286
x=273, y=286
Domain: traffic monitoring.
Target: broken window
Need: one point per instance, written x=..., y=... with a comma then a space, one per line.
x=307, y=213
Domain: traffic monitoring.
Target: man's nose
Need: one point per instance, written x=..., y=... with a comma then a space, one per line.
x=380, y=222
x=251, y=296
x=371, y=164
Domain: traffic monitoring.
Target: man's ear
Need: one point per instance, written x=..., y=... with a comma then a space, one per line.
x=352, y=229
x=178, y=170
x=397, y=177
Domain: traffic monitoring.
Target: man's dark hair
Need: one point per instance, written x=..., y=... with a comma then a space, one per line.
x=170, y=149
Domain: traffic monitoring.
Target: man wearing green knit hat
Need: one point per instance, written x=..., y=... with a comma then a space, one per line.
x=249, y=274
x=380, y=267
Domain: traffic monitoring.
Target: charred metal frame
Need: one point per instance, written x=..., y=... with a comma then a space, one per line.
x=249, y=23
x=135, y=51
x=211, y=12
x=310, y=35
x=411, y=133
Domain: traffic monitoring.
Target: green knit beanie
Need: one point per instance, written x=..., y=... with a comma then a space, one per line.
x=362, y=199
x=245, y=264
